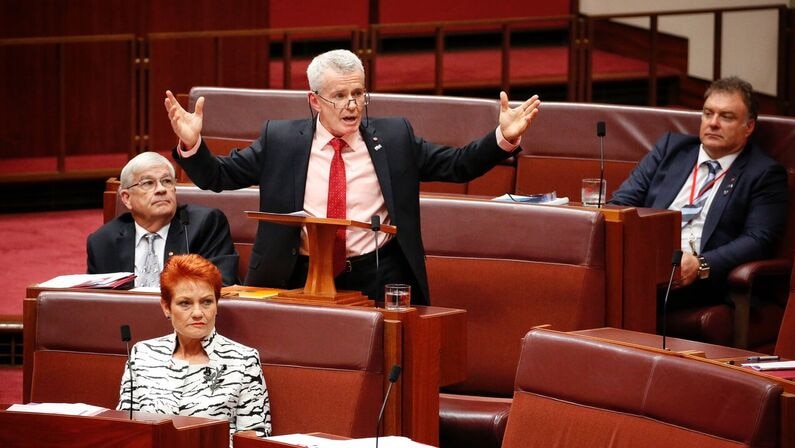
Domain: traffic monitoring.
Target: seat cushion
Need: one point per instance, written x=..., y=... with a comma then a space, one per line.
x=472, y=421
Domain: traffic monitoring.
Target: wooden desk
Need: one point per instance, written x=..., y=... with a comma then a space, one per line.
x=729, y=357
x=639, y=243
x=710, y=351
x=110, y=428
x=428, y=342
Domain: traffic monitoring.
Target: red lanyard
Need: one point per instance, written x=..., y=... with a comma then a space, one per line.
x=706, y=187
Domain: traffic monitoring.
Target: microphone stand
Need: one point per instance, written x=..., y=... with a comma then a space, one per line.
x=125, y=336
x=675, y=261
x=600, y=132
x=375, y=225
x=394, y=373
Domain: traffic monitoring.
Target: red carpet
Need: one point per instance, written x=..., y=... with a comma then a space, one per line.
x=38, y=246
x=480, y=68
x=10, y=384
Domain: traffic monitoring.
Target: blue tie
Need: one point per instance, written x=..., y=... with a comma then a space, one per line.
x=691, y=211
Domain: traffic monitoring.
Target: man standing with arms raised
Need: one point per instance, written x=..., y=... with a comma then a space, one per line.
x=336, y=165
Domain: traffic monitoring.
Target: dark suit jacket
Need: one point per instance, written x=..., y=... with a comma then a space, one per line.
x=747, y=215
x=278, y=161
x=112, y=247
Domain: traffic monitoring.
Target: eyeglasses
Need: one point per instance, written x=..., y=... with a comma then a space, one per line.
x=148, y=184
x=342, y=101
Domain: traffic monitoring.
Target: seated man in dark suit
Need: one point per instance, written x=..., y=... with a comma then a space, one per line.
x=733, y=197
x=156, y=228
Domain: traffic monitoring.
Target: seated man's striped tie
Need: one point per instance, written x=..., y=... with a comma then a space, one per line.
x=693, y=209
x=150, y=273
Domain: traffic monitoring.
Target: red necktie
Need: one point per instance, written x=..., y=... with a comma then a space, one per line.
x=336, y=207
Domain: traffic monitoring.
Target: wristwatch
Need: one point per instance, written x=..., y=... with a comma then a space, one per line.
x=703, y=268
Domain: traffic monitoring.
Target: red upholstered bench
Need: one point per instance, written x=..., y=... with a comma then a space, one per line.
x=512, y=267
x=315, y=382
x=561, y=148
x=575, y=391
x=234, y=117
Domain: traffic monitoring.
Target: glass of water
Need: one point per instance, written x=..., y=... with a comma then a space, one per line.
x=591, y=192
x=397, y=296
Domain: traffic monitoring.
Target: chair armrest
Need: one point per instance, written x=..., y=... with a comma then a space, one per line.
x=741, y=282
x=743, y=276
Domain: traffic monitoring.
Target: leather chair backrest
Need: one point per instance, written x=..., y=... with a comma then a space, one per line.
x=233, y=203
x=580, y=392
x=512, y=267
x=315, y=382
x=561, y=147
x=234, y=116
x=241, y=113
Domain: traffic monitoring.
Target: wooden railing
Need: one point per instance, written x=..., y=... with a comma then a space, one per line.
x=440, y=30
x=584, y=44
x=150, y=72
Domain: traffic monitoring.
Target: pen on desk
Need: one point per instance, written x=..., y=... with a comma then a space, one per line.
x=763, y=358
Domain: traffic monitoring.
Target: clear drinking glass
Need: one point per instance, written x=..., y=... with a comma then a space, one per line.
x=397, y=296
x=590, y=192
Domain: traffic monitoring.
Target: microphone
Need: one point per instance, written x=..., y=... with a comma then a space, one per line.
x=676, y=259
x=375, y=226
x=394, y=374
x=185, y=220
x=125, y=337
x=601, y=132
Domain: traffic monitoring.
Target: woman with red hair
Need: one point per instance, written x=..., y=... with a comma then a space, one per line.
x=196, y=371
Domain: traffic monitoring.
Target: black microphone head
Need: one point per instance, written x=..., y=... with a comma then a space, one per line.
x=375, y=222
x=676, y=258
x=394, y=373
x=125, y=333
x=600, y=129
x=183, y=216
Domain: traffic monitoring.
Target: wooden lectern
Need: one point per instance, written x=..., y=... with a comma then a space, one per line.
x=319, y=285
x=110, y=429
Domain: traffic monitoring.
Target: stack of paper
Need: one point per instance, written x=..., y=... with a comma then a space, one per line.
x=322, y=442
x=115, y=280
x=58, y=408
x=544, y=199
x=778, y=365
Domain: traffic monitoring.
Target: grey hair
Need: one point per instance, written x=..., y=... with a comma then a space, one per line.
x=141, y=162
x=341, y=61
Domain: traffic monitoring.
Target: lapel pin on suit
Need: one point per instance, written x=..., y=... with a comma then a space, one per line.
x=378, y=145
x=730, y=186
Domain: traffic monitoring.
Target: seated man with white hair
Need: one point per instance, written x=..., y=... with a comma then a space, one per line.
x=156, y=228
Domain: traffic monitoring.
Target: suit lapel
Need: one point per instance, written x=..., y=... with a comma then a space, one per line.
x=681, y=167
x=175, y=240
x=301, y=151
x=722, y=196
x=125, y=242
x=377, y=149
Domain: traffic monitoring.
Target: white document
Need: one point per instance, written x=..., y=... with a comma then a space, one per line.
x=531, y=199
x=58, y=408
x=776, y=365
x=322, y=442
x=88, y=280
x=155, y=289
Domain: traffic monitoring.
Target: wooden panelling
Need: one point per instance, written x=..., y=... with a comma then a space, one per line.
x=633, y=42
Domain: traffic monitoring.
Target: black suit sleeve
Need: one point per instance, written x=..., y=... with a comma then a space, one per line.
x=210, y=237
